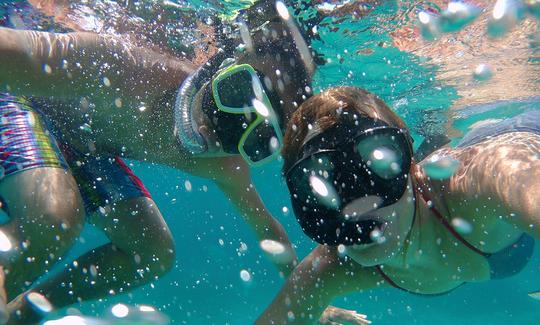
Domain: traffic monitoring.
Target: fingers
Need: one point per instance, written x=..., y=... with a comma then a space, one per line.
x=348, y=317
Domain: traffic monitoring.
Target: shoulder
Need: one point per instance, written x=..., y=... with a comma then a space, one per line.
x=497, y=168
x=505, y=150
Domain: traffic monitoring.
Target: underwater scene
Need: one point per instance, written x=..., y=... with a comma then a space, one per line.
x=269, y=162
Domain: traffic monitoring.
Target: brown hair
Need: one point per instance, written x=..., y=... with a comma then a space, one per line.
x=324, y=111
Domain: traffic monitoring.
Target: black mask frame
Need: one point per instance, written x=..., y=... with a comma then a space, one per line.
x=351, y=178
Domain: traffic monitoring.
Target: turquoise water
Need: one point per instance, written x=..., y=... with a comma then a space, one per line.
x=205, y=285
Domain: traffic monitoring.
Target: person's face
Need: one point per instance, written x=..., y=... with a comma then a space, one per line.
x=389, y=240
x=206, y=128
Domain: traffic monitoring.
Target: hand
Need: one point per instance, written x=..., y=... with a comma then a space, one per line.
x=338, y=316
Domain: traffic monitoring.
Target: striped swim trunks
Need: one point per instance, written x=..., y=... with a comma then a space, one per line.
x=25, y=141
x=28, y=140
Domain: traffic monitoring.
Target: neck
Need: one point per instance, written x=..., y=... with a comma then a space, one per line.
x=425, y=228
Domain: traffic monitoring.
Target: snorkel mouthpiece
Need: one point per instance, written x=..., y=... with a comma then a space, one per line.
x=333, y=231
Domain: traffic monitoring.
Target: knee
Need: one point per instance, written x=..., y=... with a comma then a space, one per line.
x=153, y=245
x=158, y=257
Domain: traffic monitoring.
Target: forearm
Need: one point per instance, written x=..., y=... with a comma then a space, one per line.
x=271, y=235
x=84, y=64
x=40, y=63
x=305, y=295
x=314, y=283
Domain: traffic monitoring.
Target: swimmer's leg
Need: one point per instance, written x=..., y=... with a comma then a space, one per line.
x=45, y=216
x=4, y=314
x=141, y=249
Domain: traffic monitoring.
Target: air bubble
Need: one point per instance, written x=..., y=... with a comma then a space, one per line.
x=47, y=69
x=245, y=276
x=5, y=243
x=441, y=167
x=483, y=72
x=429, y=26
x=40, y=302
x=457, y=15
x=282, y=10
x=272, y=247
x=506, y=14
x=325, y=192
x=86, y=128
x=120, y=310
x=462, y=226
x=188, y=186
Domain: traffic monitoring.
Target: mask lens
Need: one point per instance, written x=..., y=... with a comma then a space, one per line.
x=236, y=90
x=383, y=154
x=262, y=142
x=314, y=183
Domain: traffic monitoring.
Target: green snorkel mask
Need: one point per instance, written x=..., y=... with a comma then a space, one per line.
x=242, y=114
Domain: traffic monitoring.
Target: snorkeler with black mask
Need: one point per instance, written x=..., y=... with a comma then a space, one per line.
x=346, y=172
x=383, y=222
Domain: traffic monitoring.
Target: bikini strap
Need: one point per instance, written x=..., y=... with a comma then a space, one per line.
x=387, y=278
x=423, y=190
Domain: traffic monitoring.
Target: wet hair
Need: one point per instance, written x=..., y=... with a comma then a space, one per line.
x=275, y=48
x=325, y=110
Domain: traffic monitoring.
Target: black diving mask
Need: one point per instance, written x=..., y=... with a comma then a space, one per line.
x=362, y=161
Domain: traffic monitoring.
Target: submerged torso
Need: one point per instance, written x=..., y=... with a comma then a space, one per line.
x=135, y=133
x=484, y=244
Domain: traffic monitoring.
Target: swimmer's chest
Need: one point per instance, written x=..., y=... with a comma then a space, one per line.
x=444, y=262
x=439, y=268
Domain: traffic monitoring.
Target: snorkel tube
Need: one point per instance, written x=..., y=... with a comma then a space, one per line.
x=185, y=127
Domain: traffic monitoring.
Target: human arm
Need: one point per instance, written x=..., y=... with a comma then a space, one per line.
x=74, y=65
x=235, y=181
x=318, y=279
x=505, y=169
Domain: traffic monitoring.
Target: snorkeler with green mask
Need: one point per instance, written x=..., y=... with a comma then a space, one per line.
x=213, y=121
